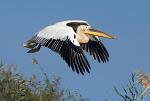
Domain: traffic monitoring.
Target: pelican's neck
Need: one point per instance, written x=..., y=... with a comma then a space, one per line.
x=81, y=37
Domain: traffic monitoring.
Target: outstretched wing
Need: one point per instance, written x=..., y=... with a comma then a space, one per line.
x=97, y=50
x=59, y=40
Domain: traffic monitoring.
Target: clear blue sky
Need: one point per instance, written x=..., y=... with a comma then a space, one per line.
x=129, y=20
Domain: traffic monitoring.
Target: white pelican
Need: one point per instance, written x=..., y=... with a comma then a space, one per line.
x=69, y=39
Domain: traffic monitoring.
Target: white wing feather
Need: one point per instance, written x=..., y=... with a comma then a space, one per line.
x=58, y=32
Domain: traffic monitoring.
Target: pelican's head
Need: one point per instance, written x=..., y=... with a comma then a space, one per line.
x=86, y=29
x=80, y=26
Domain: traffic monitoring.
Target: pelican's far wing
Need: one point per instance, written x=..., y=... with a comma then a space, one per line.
x=97, y=50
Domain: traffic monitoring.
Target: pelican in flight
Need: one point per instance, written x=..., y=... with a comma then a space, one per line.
x=69, y=39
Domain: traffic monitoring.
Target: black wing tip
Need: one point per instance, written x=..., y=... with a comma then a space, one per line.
x=105, y=60
x=83, y=73
x=80, y=72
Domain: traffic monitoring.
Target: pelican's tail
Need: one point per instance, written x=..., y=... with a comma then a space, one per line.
x=32, y=45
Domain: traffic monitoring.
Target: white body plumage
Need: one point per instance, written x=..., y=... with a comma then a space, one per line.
x=58, y=32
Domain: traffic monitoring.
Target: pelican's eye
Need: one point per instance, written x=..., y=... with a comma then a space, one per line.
x=87, y=27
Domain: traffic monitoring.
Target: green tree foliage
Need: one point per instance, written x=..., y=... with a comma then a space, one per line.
x=14, y=87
